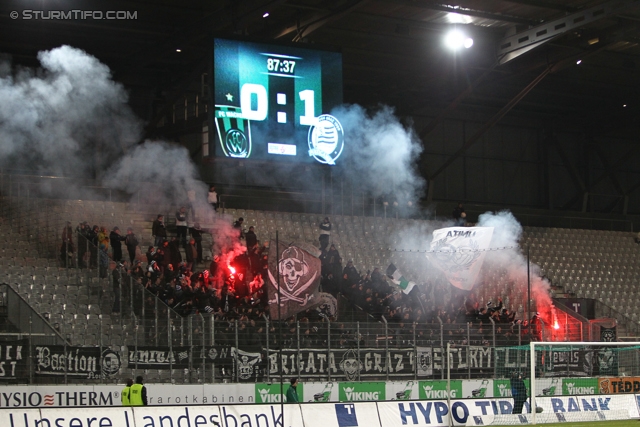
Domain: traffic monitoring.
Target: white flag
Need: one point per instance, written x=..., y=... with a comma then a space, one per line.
x=459, y=252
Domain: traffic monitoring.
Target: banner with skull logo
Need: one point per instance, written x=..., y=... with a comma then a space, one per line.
x=459, y=252
x=299, y=274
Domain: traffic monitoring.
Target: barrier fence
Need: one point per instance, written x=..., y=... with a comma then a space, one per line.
x=165, y=347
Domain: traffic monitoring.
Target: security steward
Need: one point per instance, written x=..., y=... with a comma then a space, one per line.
x=124, y=395
x=138, y=393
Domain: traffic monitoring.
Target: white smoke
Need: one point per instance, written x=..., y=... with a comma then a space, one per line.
x=507, y=265
x=381, y=154
x=504, y=272
x=69, y=118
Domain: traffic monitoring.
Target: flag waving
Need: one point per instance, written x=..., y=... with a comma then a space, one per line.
x=299, y=274
x=396, y=277
x=459, y=252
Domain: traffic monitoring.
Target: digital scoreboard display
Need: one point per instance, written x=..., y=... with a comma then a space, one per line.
x=273, y=102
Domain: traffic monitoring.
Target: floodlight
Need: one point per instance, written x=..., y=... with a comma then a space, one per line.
x=455, y=39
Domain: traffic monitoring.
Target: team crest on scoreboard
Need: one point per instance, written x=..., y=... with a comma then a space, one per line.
x=326, y=139
x=234, y=131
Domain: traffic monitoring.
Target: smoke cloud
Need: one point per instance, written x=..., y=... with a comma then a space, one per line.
x=381, y=155
x=504, y=272
x=69, y=118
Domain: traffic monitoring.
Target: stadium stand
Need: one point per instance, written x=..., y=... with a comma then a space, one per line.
x=79, y=304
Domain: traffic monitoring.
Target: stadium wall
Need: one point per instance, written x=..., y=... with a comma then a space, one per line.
x=370, y=414
x=22, y=396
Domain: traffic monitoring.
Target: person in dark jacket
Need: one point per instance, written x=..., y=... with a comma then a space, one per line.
x=68, y=248
x=238, y=226
x=174, y=251
x=196, y=233
x=115, y=240
x=131, y=242
x=83, y=243
x=159, y=231
x=92, y=237
x=325, y=233
x=181, y=225
x=292, y=391
x=518, y=392
x=459, y=215
x=251, y=238
x=191, y=253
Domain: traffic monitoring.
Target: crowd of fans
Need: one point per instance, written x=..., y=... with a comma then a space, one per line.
x=235, y=291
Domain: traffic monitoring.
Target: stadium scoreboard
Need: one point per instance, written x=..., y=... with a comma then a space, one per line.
x=273, y=102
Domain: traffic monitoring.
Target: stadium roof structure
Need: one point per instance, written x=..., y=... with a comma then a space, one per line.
x=393, y=50
x=569, y=65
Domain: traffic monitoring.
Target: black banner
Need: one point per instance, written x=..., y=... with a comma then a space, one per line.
x=464, y=358
x=343, y=362
x=159, y=357
x=251, y=365
x=82, y=362
x=13, y=360
x=559, y=361
x=608, y=334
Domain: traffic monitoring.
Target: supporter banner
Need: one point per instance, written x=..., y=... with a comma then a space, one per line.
x=78, y=362
x=342, y=362
x=159, y=357
x=608, y=334
x=221, y=355
x=425, y=361
x=250, y=366
x=13, y=360
x=340, y=415
x=474, y=358
x=298, y=272
x=459, y=252
x=580, y=362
